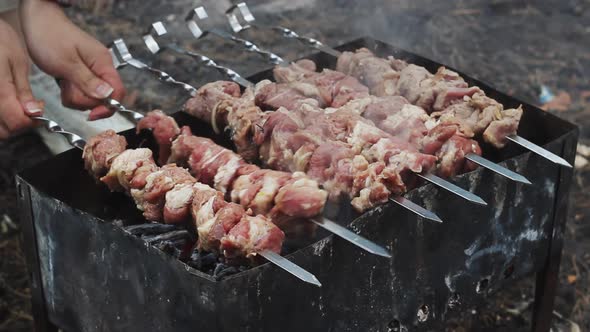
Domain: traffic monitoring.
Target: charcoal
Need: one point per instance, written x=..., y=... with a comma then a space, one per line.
x=150, y=229
x=221, y=271
x=170, y=236
x=202, y=261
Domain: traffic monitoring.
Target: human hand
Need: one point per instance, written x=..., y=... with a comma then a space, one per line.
x=17, y=103
x=83, y=65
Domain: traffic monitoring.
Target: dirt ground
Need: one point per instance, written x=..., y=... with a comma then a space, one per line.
x=518, y=46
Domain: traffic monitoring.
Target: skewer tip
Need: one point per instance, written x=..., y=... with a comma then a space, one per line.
x=539, y=150
x=351, y=237
x=417, y=209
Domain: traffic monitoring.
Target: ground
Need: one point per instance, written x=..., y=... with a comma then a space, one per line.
x=517, y=46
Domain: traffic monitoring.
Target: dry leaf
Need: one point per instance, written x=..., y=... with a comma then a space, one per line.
x=561, y=102
x=571, y=279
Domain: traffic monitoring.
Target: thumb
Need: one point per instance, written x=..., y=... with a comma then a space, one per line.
x=87, y=81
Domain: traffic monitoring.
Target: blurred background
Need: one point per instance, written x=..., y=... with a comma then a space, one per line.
x=537, y=51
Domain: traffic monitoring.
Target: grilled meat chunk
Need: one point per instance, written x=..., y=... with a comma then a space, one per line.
x=164, y=129
x=100, y=151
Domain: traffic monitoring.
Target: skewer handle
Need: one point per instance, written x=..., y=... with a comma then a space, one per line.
x=158, y=30
x=200, y=14
x=54, y=127
x=208, y=62
x=251, y=47
x=308, y=41
x=123, y=56
x=163, y=76
x=240, y=18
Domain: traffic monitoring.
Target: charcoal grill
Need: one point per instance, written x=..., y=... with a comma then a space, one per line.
x=88, y=274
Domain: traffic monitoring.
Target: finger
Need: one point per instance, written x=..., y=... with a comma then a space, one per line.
x=20, y=74
x=12, y=113
x=100, y=112
x=81, y=75
x=73, y=97
x=111, y=75
x=100, y=62
x=13, y=117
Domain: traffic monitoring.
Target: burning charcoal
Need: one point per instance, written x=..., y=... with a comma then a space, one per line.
x=170, y=236
x=150, y=229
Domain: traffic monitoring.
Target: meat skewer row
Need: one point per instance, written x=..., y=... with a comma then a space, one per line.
x=392, y=114
x=444, y=94
x=497, y=126
x=171, y=194
x=221, y=226
x=286, y=197
x=292, y=147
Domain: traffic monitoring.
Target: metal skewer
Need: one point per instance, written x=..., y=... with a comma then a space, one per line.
x=153, y=44
x=200, y=13
x=240, y=18
x=415, y=208
x=52, y=126
x=278, y=260
x=539, y=150
x=159, y=30
x=505, y=172
x=290, y=267
x=453, y=188
x=124, y=57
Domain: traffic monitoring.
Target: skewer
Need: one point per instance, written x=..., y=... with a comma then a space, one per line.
x=123, y=57
x=329, y=225
x=200, y=13
x=160, y=30
x=453, y=188
x=415, y=208
x=290, y=267
x=52, y=126
x=345, y=233
x=240, y=18
x=505, y=172
x=278, y=260
x=113, y=104
x=539, y=150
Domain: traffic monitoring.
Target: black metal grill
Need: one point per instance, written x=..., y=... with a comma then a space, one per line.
x=89, y=274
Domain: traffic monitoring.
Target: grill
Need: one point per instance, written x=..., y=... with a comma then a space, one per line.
x=90, y=272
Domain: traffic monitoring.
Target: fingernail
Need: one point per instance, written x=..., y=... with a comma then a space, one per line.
x=33, y=107
x=103, y=90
